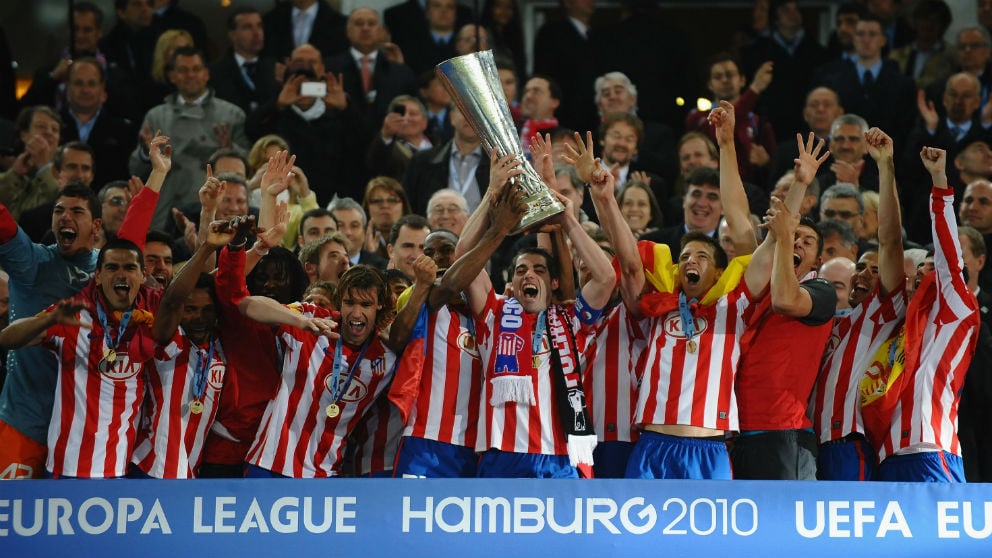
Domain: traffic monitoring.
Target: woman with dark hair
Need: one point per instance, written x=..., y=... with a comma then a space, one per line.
x=639, y=207
x=502, y=18
x=385, y=202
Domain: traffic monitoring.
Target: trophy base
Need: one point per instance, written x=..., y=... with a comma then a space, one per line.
x=541, y=206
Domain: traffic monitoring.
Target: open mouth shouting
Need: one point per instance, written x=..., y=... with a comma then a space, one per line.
x=530, y=291
x=796, y=259
x=692, y=277
x=67, y=236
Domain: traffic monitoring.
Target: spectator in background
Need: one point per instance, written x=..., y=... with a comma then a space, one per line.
x=290, y=25
x=168, y=15
x=243, y=76
x=471, y=38
x=436, y=102
x=639, y=208
x=839, y=240
x=129, y=45
x=822, y=108
x=972, y=163
x=73, y=163
x=448, y=210
x=838, y=272
x=849, y=161
x=403, y=134
x=315, y=224
x=114, y=198
x=406, y=242
x=423, y=48
x=565, y=54
x=502, y=18
x=927, y=58
x=325, y=258
x=384, y=202
x=972, y=54
x=160, y=84
x=840, y=45
x=351, y=221
x=30, y=182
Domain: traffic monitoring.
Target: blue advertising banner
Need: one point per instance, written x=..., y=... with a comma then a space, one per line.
x=416, y=517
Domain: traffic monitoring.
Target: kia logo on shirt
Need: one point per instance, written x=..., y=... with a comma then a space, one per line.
x=673, y=325
x=122, y=369
x=215, y=379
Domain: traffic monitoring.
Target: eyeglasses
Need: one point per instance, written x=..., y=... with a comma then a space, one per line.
x=971, y=46
x=453, y=209
x=843, y=214
x=382, y=201
x=118, y=201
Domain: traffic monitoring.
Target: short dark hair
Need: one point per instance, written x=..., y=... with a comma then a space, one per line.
x=59, y=158
x=720, y=257
x=315, y=212
x=90, y=8
x=119, y=243
x=186, y=51
x=205, y=281
x=933, y=10
x=92, y=62
x=232, y=22
x=83, y=192
x=396, y=275
x=363, y=277
x=843, y=229
x=553, y=86
x=611, y=119
x=411, y=221
x=27, y=114
x=226, y=153
x=155, y=235
x=722, y=56
x=810, y=224
x=856, y=8
x=113, y=184
x=550, y=260
x=703, y=175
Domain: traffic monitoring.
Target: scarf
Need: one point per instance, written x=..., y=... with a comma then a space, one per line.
x=532, y=127
x=510, y=380
x=571, y=399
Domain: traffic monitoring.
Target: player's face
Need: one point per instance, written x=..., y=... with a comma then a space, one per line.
x=865, y=278
x=73, y=225
x=333, y=262
x=158, y=262
x=441, y=249
x=804, y=256
x=119, y=276
x=532, y=283
x=697, y=268
x=199, y=318
x=271, y=279
x=358, y=312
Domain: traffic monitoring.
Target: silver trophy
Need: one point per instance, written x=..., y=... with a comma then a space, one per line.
x=472, y=81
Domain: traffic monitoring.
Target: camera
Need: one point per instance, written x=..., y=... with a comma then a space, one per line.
x=400, y=109
x=313, y=89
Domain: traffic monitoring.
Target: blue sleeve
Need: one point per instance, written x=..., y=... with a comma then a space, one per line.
x=586, y=314
x=21, y=258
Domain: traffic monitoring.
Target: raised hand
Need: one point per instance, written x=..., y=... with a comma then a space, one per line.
x=640, y=176
x=934, y=160
x=145, y=137
x=134, y=185
x=244, y=226
x=502, y=169
x=336, y=97
x=219, y=234
x=320, y=326
x=506, y=208
x=160, y=153
x=290, y=92
x=272, y=237
x=779, y=221
x=723, y=120
x=758, y=156
x=66, y=312
x=602, y=183
x=762, y=77
x=39, y=151
x=424, y=270
x=222, y=133
x=879, y=145
x=809, y=159
x=927, y=111
x=581, y=156
x=277, y=173
x=188, y=228
x=299, y=185
x=393, y=52
x=846, y=172
x=211, y=191
x=544, y=161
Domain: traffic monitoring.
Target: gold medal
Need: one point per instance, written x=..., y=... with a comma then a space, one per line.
x=537, y=362
x=109, y=355
x=333, y=410
x=691, y=346
x=196, y=407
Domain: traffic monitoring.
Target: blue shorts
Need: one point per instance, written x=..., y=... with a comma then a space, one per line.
x=610, y=459
x=496, y=464
x=423, y=458
x=661, y=456
x=849, y=459
x=256, y=472
x=928, y=466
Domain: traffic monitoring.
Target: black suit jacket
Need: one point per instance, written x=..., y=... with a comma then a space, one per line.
x=429, y=171
x=887, y=104
x=408, y=20
x=421, y=53
x=328, y=34
x=975, y=408
x=229, y=82
x=568, y=57
x=389, y=80
x=112, y=139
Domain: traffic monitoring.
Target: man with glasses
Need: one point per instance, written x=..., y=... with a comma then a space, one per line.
x=447, y=209
x=973, y=54
x=849, y=161
x=403, y=134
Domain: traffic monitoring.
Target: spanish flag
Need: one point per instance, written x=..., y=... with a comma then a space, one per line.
x=663, y=274
x=406, y=382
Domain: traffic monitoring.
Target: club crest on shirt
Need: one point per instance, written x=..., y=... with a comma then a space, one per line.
x=466, y=342
x=121, y=370
x=215, y=378
x=673, y=325
x=378, y=367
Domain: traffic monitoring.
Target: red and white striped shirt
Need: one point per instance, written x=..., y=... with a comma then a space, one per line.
x=694, y=388
x=170, y=443
x=97, y=406
x=926, y=414
x=296, y=437
x=447, y=409
x=854, y=340
x=377, y=439
x=518, y=427
x=608, y=352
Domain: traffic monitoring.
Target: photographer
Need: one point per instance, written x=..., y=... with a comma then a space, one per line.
x=402, y=136
x=313, y=114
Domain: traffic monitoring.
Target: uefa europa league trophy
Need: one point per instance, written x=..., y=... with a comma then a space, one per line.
x=473, y=82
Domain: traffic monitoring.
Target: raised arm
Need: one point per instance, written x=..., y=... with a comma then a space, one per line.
x=732, y=196
x=468, y=274
x=787, y=297
x=807, y=163
x=275, y=180
x=170, y=310
x=264, y=310
x=501, y=169
x=138, y=217
x=425, y=273
x=602, y=184
x=892, y=276
x=597, y=290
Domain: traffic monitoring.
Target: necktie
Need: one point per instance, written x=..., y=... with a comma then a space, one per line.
x=955, y=132
x=250, y=69
x=366, y=73
x=868, y=81
x=301, y=28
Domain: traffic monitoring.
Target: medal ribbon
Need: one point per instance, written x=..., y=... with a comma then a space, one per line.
x=102, y=316
x=688, y=324
x=539, y=326
x=200, y=372
x=338, y=391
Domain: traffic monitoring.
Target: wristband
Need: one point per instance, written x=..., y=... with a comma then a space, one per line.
x=237, y=247
x=258, y=249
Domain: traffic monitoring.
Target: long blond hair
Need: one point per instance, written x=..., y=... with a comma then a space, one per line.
x=164, y=48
